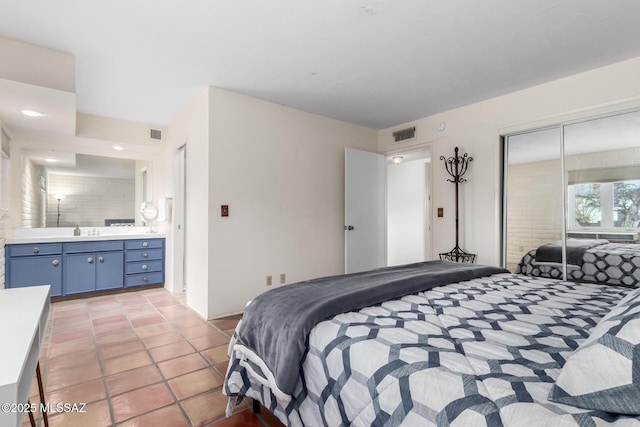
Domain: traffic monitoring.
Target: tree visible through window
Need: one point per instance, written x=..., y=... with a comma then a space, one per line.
x=626, y=200
x=587, y=205
x=606, y=204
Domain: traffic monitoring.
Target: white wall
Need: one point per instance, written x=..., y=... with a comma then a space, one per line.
x=192, y=127
x=476, y=129
x=406, y=216
x=281, y=171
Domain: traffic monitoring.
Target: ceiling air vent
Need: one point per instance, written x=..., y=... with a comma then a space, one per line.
x=156, y=134
x=404, y=134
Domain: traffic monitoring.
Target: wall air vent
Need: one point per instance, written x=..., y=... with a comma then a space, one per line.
x=404, y=134
x=156, y=134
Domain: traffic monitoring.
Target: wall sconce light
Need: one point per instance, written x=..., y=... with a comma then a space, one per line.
x=397, y=159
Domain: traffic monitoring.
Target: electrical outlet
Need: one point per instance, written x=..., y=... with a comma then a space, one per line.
x=269, y=280
x=283, y=278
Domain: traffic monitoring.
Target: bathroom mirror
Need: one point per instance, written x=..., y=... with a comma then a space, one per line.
x=62, y=189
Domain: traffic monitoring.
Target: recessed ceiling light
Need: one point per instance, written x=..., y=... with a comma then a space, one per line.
x=118, y=147
x=50, y=160
x=31, y=113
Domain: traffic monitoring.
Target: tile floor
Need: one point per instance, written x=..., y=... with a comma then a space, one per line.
x=138, y=359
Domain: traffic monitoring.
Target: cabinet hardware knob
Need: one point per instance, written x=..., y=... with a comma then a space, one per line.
x=145, y=244
x=101, y=259
x=36, y=250
x=90, y=260
x=144, y=267
x=145, y=279
x=56, y=262
x=144, y=255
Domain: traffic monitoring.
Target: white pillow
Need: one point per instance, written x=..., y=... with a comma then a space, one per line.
x=604, y=372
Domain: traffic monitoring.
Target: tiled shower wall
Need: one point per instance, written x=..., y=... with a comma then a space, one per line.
x=89, y=201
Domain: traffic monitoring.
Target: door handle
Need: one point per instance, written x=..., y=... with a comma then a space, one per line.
x=90, y=260
x=101, y=259
x=349, y=227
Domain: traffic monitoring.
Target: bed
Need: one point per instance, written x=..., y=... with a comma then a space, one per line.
x=611, y=263
x=486, y=351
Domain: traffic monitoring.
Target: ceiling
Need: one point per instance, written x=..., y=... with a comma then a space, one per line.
x=604, y=134
x=376, y=63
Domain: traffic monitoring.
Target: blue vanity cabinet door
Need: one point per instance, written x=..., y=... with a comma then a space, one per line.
x=79, y=273
x=26, y=271
x=109, y=270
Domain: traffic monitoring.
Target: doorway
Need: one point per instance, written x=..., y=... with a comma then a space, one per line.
x=179, y=218
x=408, y=207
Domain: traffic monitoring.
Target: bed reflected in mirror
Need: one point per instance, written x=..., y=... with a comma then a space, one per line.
x=601, y=237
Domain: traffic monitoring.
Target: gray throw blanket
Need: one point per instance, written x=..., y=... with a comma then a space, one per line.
x=552, y=252
x=276, y=324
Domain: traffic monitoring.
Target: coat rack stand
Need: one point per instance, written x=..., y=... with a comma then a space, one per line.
x=456, y=167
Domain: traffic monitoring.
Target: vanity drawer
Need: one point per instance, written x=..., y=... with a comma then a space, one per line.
x=143, y=267
x=144, y=254
x=144, y=279
x=144, y=243
x=108, y=245
x=35, y=249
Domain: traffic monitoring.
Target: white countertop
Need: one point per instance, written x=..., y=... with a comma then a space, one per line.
x=54, y=235
x=23, y=317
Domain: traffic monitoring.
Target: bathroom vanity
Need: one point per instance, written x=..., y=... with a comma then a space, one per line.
x=85, y=264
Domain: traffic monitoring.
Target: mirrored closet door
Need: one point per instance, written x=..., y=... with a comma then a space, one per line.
x=572, y=200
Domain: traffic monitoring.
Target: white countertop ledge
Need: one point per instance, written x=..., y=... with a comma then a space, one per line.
x=87, y=234
x=101, y=237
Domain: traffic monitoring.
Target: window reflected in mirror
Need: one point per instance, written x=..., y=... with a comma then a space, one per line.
x=599, y=234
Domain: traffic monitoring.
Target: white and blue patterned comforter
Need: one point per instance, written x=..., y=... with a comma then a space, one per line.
x=479, y=353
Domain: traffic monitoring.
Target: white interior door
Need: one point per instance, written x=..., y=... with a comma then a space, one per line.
x=365, y=211
x=179, y=203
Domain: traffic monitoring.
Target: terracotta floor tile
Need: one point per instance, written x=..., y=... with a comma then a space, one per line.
x=70, y=360
x=222, y=368
x=245, y=418
x=73, y=375
x=205, y=408
x=147, y=331
x=106, y=313
x=196, y=331
x=187, y=321
x=182, y=365
x=71, y=319
x=110, y=328
x=148, y=320
x=135, y=312
x=60, y=337
x=71, y=347
x=108, y=351
x=118, y=337
x=88, y=392
x=96, y=415
x=212, y=339
x=104, y=306
x=174, y=309
x=126, y=362
x=162, y=339
x=226, y=323
x=164, y=303
x=171, y=351
x=217, y=354
x=141, y=401
x=169, y=416
x=109, y=319
x=133, y=379
x=195, y=383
